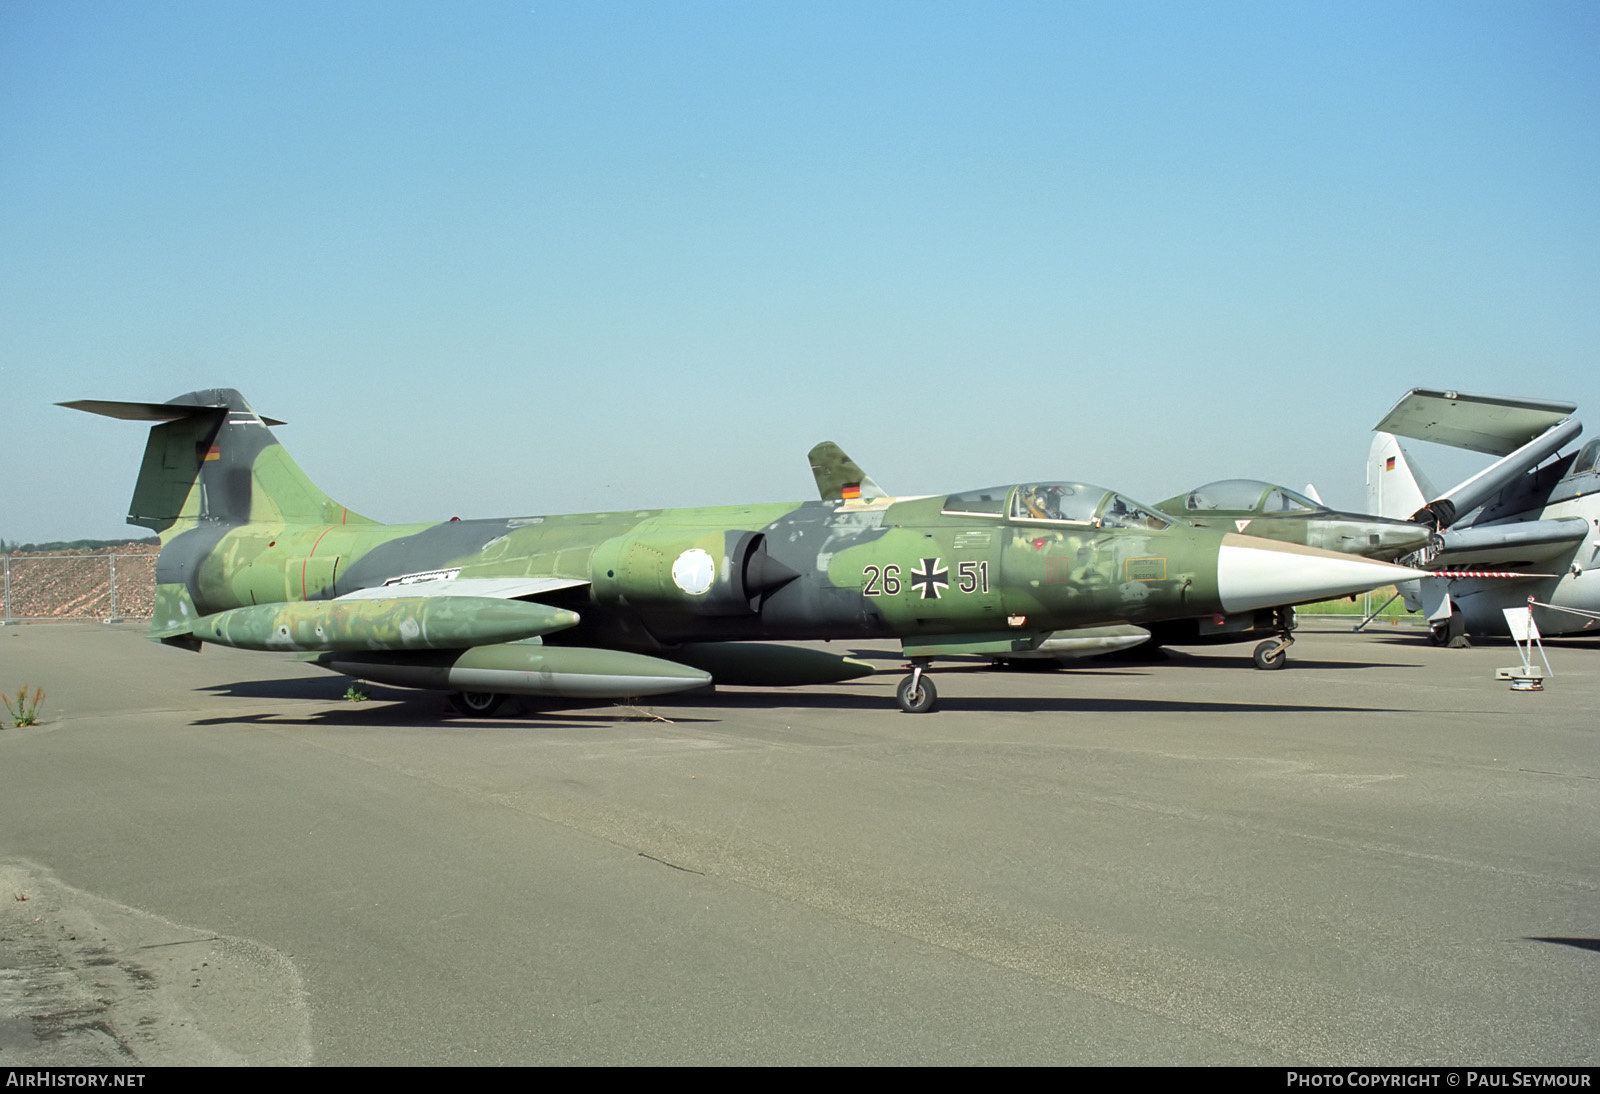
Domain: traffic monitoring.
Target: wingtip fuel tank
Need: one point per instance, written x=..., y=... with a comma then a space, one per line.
x=524, y=668
x=393, y=623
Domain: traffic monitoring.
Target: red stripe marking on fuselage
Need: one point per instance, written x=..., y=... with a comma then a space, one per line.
x=307, y=560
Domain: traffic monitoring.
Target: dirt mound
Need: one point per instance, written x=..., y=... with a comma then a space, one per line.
x=108, y=583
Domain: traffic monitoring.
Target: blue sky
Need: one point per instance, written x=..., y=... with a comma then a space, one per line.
x=504, y=258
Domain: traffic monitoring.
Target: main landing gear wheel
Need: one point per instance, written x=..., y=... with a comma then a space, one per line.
x=480, y=704
x=1271, y=654
x=1452, y=633
x=916, y=694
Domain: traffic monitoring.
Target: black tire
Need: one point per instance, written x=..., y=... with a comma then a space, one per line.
x=920, y=701
x=1452, y=633
x=1270, y=655
x=479, y=704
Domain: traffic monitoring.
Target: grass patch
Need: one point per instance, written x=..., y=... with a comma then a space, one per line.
x=1360, y=607
x=22, y=707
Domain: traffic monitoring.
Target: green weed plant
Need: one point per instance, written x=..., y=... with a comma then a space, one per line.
x=23, y=707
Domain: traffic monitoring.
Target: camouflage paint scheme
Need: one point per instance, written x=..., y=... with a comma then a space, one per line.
x=1246, y=506
x=631, y=597
x=1275, y=512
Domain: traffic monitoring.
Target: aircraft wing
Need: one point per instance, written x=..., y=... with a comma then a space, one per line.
x=500, y=588
x=1481, y=423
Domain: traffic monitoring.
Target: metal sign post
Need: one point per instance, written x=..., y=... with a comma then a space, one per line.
x=1525, y=633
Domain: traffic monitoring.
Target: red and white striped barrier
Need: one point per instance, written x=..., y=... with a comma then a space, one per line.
x=1484, y=573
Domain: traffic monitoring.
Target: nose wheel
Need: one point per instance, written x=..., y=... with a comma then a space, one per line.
x=916, y=693
x=1274, y=652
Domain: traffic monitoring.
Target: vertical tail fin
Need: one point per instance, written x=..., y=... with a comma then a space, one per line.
x=213, y=458
x=1394, y=488
x=838, y=476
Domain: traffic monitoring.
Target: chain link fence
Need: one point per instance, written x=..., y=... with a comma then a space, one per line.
x=106, y=587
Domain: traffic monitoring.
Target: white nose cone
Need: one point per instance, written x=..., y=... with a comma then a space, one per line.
x=1255, y=573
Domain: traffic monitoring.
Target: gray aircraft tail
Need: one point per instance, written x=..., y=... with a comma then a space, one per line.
x=1395, y=488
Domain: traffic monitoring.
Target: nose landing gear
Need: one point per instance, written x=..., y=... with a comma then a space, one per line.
x=916, y=693
x=1274, y=652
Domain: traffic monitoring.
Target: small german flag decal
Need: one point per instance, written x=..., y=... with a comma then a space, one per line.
x=851, y=491
x=1388, y=465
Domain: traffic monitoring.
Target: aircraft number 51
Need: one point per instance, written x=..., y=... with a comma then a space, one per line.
x=971, y=577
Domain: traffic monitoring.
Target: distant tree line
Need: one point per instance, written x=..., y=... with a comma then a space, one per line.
x=7, y=547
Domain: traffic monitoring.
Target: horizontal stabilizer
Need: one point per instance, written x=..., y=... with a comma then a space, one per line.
x=1482, y=423
x=148, y=412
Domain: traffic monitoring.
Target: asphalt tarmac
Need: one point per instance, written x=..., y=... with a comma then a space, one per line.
x=1380, y=855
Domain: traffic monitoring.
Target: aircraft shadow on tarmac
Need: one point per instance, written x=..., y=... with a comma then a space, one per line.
x=297, y=687
x=1026, y=704
x=1481, y=641
x=386, y=717
x=1575, y=943
x=865, y=697
x=385, y=707
x=397, y=706
x=1128, y=664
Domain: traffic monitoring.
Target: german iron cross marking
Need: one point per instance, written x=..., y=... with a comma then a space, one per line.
x=932, y=579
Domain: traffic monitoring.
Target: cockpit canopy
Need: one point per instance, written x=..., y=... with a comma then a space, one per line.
x=1057, y=502
x=1588, y=459
x=1247, y=496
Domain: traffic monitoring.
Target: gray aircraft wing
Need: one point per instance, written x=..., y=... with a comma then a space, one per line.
x=1522, y=432
x=1495, y=424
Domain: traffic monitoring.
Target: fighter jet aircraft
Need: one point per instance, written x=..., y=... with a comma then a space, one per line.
x=1276, y=512
x=625, y=605
x=1270, y=511
x=1531, y=513
x=1245, y=505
